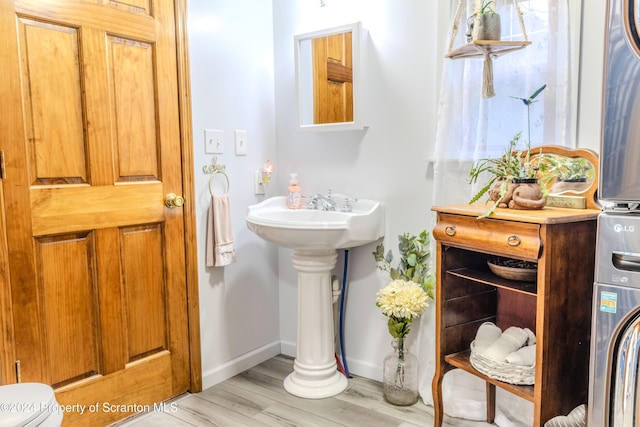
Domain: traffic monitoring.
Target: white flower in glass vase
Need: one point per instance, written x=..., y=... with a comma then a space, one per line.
x=402, y=300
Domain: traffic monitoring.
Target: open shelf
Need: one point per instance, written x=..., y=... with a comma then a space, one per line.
x=469, y=294
x=479, y=48
x=488, y=278
x=461, y=360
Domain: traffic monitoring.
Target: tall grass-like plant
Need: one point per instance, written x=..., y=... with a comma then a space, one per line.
x=527, y=102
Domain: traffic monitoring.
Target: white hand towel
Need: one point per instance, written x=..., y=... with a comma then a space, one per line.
x=531, y=336
x=510, y=340
x=526, y=356
x=220, y=246
x=486, y=335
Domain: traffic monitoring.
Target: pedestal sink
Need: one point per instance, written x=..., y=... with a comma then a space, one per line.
x=315, y=236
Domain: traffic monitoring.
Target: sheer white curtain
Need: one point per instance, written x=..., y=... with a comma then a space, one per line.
x=471, y=127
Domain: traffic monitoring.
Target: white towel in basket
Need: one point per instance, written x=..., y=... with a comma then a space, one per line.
x=525, y=356
x=486, y=335
x=511, y=340
x=531, y=336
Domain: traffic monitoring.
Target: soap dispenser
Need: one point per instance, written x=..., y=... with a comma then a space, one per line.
x=294, y=195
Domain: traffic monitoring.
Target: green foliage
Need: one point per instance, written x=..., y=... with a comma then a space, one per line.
x=565, y=168
x=513, y=164
x=487, y=8
x=505, y=168
x=532, y=97
x=414, y=261
x=527, y=102
x=398, y=328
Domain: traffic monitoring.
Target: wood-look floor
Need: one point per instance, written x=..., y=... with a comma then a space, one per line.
x=256, y=398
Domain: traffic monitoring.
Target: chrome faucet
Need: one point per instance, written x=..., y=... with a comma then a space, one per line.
x=347, y=207
x=328, y=204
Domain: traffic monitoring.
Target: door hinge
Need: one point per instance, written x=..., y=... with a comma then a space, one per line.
x=3, y=171
x=18, y=373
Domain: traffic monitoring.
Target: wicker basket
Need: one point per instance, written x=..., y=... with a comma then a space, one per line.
x=505, y=372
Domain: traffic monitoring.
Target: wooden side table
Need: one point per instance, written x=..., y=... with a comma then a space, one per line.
x=557, y=306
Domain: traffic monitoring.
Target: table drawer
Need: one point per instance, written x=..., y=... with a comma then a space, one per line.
x=499, y=237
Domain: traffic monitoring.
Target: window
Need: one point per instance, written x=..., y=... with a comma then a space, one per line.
x=475, y=127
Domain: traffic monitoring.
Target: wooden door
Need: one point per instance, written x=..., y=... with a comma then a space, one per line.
x=333, y=79
x=90, y=127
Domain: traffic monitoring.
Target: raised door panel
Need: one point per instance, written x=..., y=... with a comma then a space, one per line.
x=67, y=293
x=134, y=109
x=50, y=53
x=144, y=290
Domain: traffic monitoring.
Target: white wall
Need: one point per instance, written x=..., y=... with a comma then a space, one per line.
x=231, y=55
x=386, y=162
x=242, y=71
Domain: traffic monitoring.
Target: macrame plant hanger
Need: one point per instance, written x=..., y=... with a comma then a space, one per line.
x=484, y=48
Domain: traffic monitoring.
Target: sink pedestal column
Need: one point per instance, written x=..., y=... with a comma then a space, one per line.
x=315, y=374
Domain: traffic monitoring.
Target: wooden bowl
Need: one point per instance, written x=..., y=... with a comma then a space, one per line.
x=512, y=273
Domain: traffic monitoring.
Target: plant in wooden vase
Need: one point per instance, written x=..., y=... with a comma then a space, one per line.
x=403, y=300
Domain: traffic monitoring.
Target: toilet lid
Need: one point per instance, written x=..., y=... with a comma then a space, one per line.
x=25, y=403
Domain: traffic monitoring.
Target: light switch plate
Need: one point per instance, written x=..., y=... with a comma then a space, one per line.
x=213, y=141
x=241, y=142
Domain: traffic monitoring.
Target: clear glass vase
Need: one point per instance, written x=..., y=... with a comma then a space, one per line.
x=400, y=375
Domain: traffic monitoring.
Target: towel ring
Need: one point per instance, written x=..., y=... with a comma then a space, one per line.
x=213, y=176
x=214, y=168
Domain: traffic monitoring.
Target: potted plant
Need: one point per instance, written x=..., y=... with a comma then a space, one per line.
x=484, y=24
x=403, y=300
x=512, y=179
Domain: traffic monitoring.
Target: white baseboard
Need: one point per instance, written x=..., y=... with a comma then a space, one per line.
x=240, y=364
x=365, y=369
x=288, y=348
x=259, y=355
x=356, y=367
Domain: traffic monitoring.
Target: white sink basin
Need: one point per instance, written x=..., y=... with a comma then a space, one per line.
x=317, y=229
x=315, y=236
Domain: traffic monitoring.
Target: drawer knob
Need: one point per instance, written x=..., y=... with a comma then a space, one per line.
x=450, y=230
x=513, y=240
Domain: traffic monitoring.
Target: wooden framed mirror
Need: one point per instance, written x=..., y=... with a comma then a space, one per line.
x=570, y=175
x=328, y=78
